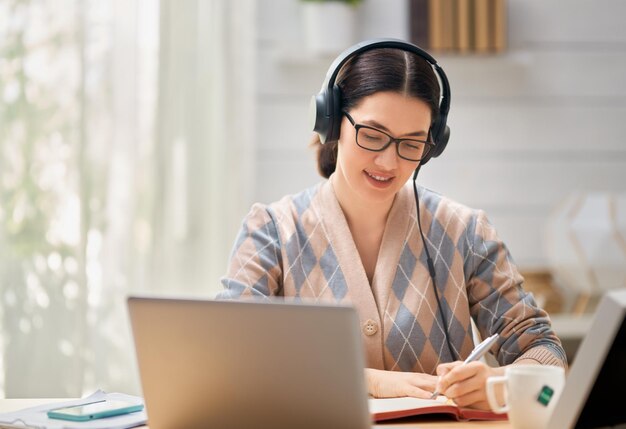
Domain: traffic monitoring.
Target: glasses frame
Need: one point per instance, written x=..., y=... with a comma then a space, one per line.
x=429, y=144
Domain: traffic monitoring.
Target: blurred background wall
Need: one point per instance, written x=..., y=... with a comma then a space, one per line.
x=134, y=136
x=529, y=125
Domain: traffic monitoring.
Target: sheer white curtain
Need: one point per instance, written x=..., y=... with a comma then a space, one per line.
x=206, y=130
x=125, y=148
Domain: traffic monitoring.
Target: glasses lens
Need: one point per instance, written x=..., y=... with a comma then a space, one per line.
x=369, y=138
x=413, y=149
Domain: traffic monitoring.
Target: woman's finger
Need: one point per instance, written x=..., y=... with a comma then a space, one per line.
x=461, y=373
x=416, y=392
x=445, y=368
x=467, y=386
x=425, y=381
x=469, y=399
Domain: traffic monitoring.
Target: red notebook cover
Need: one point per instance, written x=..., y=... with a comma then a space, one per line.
x=395, y=408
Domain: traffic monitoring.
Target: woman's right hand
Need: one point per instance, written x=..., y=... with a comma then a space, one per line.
x=393, y=384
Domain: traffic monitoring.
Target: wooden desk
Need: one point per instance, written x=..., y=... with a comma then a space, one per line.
x=7, y=405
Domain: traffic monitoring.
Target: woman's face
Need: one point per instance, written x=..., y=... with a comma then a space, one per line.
x=367, y=177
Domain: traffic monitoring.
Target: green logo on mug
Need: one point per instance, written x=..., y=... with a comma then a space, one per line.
x=545, y=395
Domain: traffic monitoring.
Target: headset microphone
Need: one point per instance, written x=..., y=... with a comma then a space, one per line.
x=431, y=267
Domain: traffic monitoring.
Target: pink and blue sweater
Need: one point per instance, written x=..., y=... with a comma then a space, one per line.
x=301, y=248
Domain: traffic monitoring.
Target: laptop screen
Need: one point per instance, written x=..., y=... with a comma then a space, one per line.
x=594, y=390
x=220, y=364
x=605, y=405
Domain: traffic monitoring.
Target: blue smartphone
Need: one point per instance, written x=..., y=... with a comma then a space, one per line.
x=94, y=410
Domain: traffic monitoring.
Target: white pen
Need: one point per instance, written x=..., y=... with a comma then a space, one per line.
x=478, y=352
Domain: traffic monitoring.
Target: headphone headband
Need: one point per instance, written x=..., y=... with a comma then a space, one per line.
x=326, y=106
x=364, y=46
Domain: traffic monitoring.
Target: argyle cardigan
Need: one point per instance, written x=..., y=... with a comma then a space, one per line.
x=301, y=248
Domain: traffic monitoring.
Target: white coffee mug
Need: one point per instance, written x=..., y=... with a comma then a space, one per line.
x=530, y=393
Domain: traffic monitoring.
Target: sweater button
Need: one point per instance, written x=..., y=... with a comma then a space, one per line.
x=370, y=327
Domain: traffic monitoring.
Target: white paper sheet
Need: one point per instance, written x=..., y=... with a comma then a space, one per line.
x=36, y=417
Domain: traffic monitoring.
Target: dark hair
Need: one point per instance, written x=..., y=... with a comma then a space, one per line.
x=379, y=70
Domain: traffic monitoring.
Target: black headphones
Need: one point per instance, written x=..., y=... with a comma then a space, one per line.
x=326, y=106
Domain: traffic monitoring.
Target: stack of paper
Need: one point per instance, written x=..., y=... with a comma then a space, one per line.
x=36, y=417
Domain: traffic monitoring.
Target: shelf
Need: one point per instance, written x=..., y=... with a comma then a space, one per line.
x=294, y=57
x=302, y=58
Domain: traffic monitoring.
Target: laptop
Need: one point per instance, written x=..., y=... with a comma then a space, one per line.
x=225, y=364
x=593, y=396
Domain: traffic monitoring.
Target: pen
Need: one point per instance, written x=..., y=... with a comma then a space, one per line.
x=478, y=352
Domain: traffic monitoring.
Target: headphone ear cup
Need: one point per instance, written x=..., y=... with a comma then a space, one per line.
x=325, y=118
x=334, y=120
x=318, y=117
x=441, y=141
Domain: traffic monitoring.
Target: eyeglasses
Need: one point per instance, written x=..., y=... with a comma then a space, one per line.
x=373, y=139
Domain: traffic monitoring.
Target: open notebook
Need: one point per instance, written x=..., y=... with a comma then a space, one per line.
x=395, y=408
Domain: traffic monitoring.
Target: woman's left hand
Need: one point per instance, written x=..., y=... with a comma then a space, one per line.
x=466, y=384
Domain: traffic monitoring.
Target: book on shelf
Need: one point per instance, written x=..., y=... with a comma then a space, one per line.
x=448, y=25
x=482, y=26
x=499, y=13
x=435, y=25
x=442, y=26
x=418, y=24
x=464, y=25
x=395, y=408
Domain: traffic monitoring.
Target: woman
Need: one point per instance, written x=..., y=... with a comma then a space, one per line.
x=356, y=238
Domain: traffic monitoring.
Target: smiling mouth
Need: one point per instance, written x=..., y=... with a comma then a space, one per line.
x=378, y=178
